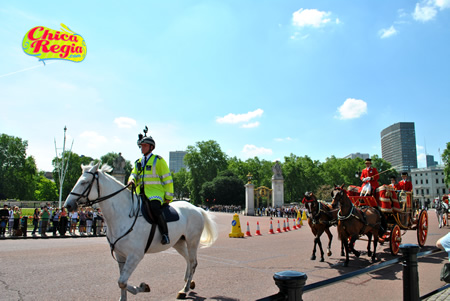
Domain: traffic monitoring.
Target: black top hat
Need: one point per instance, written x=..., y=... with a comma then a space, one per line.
x=393, y=178
x=368, y=160
x=404, y=173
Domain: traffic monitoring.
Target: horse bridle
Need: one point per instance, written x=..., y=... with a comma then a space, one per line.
x=343, y=217
x=99, y=199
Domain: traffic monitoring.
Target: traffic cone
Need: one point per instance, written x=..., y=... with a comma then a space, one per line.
x=287, y=227
x=271, y=228
x=236, y=227
x=284, y=226
x=295, y=225
x=300, y=223
x=248, y=231
x=258, y=232
x=304, y=218
x=278, y=229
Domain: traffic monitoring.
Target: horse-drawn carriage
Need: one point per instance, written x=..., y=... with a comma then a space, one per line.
x=401, y=212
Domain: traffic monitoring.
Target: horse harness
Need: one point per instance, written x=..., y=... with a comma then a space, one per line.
x=315, y=217
x=99, y=199
x=362, y=219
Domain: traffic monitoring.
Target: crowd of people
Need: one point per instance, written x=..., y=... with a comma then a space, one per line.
x=88, y=221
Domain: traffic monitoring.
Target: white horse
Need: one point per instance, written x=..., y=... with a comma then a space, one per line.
x=128, y=231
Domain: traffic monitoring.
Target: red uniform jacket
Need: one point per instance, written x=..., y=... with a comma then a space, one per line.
x=404, y=185
x=371, y=172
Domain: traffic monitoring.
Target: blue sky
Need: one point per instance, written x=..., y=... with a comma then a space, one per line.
x=262, y=78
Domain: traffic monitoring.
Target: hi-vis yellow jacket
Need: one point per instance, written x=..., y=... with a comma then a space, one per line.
x=156, y=177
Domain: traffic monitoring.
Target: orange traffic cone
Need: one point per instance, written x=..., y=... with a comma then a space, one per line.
x=294, y=226
x=278, y=229
x=287, y=227
x=284, y=226
x=271, y=228
x=258, y=232
x=248, y=231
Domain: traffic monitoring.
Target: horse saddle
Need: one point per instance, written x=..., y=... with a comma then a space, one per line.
x=170, y=214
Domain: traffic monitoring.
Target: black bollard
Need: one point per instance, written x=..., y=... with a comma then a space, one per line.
x=410, y=272
x=291, y=284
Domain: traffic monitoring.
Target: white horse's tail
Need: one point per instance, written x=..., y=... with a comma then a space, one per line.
x=210, y=232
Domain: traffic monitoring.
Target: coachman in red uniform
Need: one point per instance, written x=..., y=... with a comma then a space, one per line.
x=370, y=174
x=404, y=184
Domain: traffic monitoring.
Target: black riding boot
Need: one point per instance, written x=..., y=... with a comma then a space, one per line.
x=162, y=225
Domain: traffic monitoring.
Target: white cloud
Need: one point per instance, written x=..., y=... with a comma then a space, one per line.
x=251, y=151
x=311, y=17
x=125, y=122
x=385, y=33
x=240, y=118
x=352, y=108
x=424, y=11
x=250, y=125
x=283, y=139
x=421, y=160
x=442, y=4
x=93, y=139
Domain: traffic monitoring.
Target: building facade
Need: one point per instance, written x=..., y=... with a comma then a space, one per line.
x=357, y=155
x=428, y=183
x=176, y=160
x=398, y=146
x=430, y=161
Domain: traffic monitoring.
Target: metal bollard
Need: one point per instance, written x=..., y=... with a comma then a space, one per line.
x=410, y=272
x=291, y=284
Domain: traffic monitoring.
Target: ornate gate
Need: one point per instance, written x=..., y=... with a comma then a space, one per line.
x=263, y=196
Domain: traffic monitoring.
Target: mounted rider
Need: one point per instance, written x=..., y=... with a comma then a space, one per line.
x=153, y=181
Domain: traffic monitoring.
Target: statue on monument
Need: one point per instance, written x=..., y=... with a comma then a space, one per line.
x=119, y=165
x=276, y=169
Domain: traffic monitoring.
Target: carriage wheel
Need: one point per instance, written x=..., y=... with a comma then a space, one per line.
x=395, y=239
x=422, y=228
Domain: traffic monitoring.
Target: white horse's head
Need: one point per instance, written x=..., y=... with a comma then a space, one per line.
x=87, y=186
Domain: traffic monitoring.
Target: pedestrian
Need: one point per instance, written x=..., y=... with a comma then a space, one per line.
x=35, y=221
x=89, y=221
x=4, y=216
x=11, y=221
x=63, y=222
x=17, y=213
x=45, y=217
x=73, y=222
x=82, y=225
x=154, y=183
x=55, y=220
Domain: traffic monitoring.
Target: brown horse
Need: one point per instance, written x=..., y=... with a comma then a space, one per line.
x=321, y=218
x=354, y=222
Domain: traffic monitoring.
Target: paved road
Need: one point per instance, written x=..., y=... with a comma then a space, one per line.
x=232, y=269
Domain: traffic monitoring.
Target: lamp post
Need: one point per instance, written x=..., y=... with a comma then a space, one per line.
x=249, y=178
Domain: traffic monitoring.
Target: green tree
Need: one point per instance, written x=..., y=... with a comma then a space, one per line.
x=225, y=189
x=46, y=190
x=180, y=184
x=337, y=171
x=446, y=160
x=205, y=161
x=384, y=169
x=17, y=170
x=73, y=171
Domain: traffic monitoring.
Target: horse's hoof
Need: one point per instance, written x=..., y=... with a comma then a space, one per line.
x=313, y=257
x=369, y=253
x=342, y=254
x=322, y=260
x=357, y=254
x=145, y=288
x=181, y=296
x=374, y=259
x=329, y=253
x=192, y=286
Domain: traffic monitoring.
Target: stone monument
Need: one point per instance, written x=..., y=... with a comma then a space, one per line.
x=249, y=197
x=119, y=169
x=277, y=186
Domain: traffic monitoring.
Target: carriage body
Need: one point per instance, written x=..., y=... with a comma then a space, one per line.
x=401, y=211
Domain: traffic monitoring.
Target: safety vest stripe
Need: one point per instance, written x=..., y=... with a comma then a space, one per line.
x=167, y=182
x=156, y=197
x=148, y=176
x=166, y=175
x=152, y=183
x=169, y=194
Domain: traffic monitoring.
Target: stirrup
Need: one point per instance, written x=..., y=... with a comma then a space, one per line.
x=165, y=239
